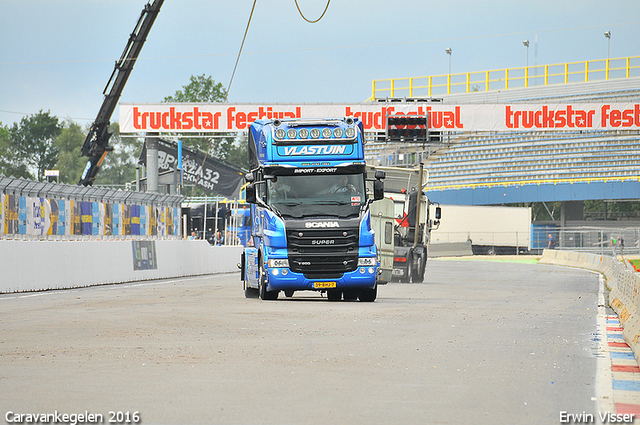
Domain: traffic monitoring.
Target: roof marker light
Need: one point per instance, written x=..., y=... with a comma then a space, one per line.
x=350, y=132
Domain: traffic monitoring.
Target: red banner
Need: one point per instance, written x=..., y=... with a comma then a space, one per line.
x=226, y=117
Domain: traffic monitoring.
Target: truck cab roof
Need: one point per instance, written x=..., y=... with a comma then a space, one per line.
x=306, y=142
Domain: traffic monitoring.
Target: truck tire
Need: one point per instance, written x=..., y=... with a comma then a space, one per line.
x=334, y=295
x=368, y=295
x=264, y=294
x=350, y=295
x=417, y=274
x=250, y=292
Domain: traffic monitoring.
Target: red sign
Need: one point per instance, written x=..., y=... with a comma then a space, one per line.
x=226, y=117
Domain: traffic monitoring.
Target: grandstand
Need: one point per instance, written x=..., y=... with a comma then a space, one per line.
x=501, y=166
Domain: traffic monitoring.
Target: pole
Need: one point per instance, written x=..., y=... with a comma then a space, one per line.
x=418, y=205
x=204, y=219
x=152, y=163
x=215, y=225
x=179, y=191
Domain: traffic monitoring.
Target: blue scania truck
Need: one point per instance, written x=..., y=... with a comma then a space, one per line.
x=310, y=219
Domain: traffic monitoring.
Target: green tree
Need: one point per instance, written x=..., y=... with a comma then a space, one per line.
x=224, y=146
x=70, y=161
x=10, y=163
x=200, y=89
x=33, y=140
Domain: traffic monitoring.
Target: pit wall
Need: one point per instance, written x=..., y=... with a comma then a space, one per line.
x=621, y=278
x=42, y=265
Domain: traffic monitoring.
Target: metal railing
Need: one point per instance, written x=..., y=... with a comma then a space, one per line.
x=597, y=240
x=508, y=78
x=594, y=239
x=32, y=210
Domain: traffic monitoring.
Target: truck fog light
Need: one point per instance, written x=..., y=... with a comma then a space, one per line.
x=371, y=270
x=275, y=272
x=284, y=272
x=361, y=270
x=278, y=262
x=367, y=261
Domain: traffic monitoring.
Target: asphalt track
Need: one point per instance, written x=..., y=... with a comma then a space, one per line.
x=476, y=343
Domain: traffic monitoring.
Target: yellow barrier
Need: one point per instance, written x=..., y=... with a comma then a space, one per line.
x=534, y=182
x=504, y=79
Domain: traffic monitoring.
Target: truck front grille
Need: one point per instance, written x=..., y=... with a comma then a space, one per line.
x=322, y=251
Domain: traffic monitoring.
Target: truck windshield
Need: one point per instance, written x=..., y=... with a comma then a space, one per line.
x=317, y=195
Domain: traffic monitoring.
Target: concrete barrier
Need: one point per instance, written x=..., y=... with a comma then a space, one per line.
x=42, y=265
x=621, y=278
x=450, y=249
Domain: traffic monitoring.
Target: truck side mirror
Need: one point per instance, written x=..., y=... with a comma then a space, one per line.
x=249, y=177
x=250, y=193
x=380, y=175
x=438, y=213
x=378, y=190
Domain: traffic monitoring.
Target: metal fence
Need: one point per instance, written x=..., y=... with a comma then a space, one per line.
x=597, y=240
x=32, y=210
x=219, y=220
x=504, y=79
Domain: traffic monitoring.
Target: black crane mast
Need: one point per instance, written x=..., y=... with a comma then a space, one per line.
x=96, y=145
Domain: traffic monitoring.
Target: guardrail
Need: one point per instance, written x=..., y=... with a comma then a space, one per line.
x=32, y=210
x=508, y=78
x=621, y=278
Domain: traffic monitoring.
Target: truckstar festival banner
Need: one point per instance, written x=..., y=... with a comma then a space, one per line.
x=227, y=117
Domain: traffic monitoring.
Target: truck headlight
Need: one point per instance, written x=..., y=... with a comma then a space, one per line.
x=278, y=262
x=367, y=261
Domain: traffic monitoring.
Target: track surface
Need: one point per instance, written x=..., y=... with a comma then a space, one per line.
x=477, y=343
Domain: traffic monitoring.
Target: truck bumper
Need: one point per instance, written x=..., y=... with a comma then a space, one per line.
x=362, y=278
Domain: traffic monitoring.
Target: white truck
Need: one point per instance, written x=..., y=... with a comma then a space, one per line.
x=407, y=222
x=489, y=229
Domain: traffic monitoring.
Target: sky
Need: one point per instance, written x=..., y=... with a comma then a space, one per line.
x=57, y=55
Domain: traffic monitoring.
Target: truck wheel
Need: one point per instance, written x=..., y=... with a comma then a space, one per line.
x=368, y=295
x=250, y=292
x=334, y=295
x=288, y=293
x=264, y=294
x=350, y=295
x=417, y=274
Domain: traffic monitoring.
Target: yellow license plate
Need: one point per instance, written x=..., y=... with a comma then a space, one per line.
x=324, y=285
